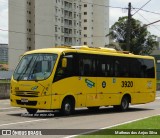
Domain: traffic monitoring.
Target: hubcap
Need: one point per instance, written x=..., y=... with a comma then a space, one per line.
x=67, y=107
x=124, y=104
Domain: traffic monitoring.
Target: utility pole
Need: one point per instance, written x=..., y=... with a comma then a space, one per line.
x=129, y=27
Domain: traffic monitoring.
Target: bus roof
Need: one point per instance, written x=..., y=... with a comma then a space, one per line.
x=86, y=49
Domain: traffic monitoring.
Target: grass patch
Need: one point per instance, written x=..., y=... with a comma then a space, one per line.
x=146, y=125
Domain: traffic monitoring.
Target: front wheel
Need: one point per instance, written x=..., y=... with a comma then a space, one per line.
x=31, y=111
x=67, y=107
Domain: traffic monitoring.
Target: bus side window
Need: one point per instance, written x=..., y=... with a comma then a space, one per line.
x=68, y=71
x=116, y=68
x=87, y=65
x=81, y=68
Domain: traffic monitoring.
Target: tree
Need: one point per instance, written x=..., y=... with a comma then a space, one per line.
x=141, y=41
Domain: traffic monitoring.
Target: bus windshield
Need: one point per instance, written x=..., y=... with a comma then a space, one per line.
x=35, y=67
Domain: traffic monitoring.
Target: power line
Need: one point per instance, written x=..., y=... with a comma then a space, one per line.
x=149, y=22
x=44, y=35
x=149, y=11
x=141, y=7
x=145, y=25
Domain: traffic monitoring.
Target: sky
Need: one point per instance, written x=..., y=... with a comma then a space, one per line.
x=117, y=9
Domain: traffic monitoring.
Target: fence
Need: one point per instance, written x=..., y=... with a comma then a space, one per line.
x=4, y=90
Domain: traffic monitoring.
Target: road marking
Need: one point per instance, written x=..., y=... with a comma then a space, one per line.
x=111, y=126
x=23, y=122
x=8, y=108
x=6, y=103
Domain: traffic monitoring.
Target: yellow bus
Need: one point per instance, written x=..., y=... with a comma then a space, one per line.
x=65, y=78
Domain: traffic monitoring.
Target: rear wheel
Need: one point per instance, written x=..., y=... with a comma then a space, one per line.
x=67, y=107
x=31, y=111
x=124, y=104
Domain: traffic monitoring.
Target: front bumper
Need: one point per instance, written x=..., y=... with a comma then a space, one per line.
x=43, y=102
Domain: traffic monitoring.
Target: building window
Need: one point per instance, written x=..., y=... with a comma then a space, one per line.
x=56, y=10
x=29, y=21
x=56, y=29
x=62, y=38
x=85, y=43
x=85, y=5
x=79, y=16
x=29, y=30
x=29, y=3
x=56, y=18
x=29, y=39
x=85, y=20
x=75, y=15
x=62, y=30
x=29, y=48
x=62, y=11
x=29, y=12
x=85, y=35
x=56, y=37
x=85, y=28
x=85, y=13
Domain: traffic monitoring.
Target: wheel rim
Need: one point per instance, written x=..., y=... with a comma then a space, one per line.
x=124, y=104
x=67, y=107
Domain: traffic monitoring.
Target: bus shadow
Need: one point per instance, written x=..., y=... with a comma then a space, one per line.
x=78, y=112
x=106, y=111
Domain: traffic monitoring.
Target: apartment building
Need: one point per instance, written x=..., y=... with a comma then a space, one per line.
x=4, y=53
x=35, y=24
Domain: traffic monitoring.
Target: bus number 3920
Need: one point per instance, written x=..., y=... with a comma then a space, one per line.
x=127, y=84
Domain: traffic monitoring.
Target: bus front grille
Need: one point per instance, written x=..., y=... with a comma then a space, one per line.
x=27, y=93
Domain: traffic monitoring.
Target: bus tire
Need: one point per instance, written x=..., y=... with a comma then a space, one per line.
x=124, y=104
x=31, y=111
x=67, y=107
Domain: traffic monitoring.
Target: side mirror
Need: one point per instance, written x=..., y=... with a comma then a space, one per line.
x=64, y=62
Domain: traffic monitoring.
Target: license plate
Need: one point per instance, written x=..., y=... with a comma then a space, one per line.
x=24, y=100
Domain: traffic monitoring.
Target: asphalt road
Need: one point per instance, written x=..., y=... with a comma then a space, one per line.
x=83, y=120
